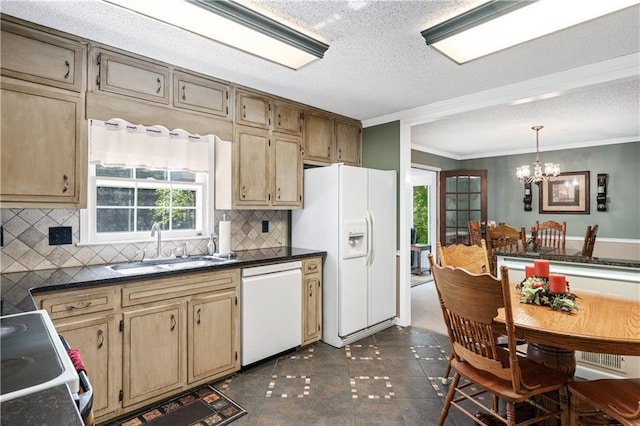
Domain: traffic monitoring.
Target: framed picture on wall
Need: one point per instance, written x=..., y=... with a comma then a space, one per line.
x=567, y=193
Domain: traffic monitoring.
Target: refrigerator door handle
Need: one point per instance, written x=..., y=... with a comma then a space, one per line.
x=370, y=239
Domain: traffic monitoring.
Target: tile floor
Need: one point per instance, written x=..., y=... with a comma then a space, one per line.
x=390, y=378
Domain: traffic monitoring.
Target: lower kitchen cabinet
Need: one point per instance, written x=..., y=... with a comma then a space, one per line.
x=312, y=300
x=213, y=333
x=147, y=340
x=153, y=362
x=99, y=345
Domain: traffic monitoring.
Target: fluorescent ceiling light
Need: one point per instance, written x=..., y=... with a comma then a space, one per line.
x=235, y=25
x=497, y=25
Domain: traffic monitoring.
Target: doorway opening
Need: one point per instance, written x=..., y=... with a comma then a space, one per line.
x=423, y=227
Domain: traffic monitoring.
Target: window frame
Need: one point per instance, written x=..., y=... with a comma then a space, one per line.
x=88, y=216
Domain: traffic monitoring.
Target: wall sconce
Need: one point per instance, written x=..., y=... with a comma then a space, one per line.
x=528, y=197
x=601, y=198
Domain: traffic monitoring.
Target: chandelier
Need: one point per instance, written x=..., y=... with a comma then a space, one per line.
x=550, y=169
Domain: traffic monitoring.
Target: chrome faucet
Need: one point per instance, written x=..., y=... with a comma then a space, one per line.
x=154, y=228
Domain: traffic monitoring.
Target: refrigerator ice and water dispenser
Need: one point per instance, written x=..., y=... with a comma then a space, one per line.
x=355, y=234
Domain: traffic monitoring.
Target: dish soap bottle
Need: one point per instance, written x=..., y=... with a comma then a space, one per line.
x=211, y=245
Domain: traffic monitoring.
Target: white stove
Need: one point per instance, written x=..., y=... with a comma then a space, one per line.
x=32, y=356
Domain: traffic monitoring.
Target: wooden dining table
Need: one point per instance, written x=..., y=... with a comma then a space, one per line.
x=603, y=323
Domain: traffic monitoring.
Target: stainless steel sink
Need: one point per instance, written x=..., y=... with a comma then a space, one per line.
x=169, y=264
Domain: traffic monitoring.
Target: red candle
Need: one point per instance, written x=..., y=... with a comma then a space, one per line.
x=557, y=283
x=528, y=271
x=541, y=268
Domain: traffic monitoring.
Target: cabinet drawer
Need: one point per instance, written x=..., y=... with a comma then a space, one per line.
x=132, y=77
x=77, y=302
x=312, y=266
x=34, y=56
x=199, y=94
x=177, y=286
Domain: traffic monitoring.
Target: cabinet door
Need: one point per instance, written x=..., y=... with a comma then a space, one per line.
x=98, y=343
x=153, y=355
x=41, y=145
x=213, y=336
x=287, y=171
x=312, y=308
x=252, y=109
x=252, y=167
x=287, y=118
x=318, y=137
x=31, y=55
x=348, y=142
x=200, y=94
x=132, y=77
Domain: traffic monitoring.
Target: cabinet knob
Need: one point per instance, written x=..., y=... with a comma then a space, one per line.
x=340, y=153
x=243, y=193
x=78, y=305
x=100, y=338
x=173, y=322
x=68, y=69
x=65, y=187
x=279, y=120
x=198, y=316
x=244, y=111
x=329, y=152
x=278, y=193
x=159, y=85
x=184, y=92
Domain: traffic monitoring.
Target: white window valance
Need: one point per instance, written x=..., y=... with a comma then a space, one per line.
x=118, y=143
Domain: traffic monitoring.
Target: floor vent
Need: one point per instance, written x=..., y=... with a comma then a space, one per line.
x=608, y=361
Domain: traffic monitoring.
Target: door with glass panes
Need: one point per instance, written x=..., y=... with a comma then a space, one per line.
x=463, y=197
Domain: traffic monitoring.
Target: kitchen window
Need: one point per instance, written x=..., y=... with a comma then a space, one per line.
x=127, y=194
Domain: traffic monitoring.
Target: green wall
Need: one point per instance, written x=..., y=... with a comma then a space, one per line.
x=381, y=150
x=621, y=162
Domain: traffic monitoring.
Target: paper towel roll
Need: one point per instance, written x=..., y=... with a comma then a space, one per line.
x=224, y=236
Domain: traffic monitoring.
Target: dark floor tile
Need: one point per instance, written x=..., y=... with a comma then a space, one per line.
x=330, y=387
x=377, y=412
x=413, y=387
x=366, y=367
x=422, y=412
x=402, y=367
x=293, y=365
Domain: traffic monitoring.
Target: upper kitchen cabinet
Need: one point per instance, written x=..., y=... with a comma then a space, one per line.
x=129, y=76
x=32, y=55
x=200, y=94
x=43, y=135
x=252, y=168
x=286, y=170
x=318, y=136
x=348, y=135
x=252, y=109
x=331, y=139
x=287, y=118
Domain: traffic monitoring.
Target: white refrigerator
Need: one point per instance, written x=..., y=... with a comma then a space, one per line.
x=350, y=212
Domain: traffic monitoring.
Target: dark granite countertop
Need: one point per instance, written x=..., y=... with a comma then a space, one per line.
x=53, y=406
x=17, y=287
x=571, y=257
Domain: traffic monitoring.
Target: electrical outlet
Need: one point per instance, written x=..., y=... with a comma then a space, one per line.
x=265, y=226
x=59, y=235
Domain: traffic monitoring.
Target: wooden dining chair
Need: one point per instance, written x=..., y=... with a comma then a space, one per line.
x=589, y=241
x=504, y=238
x=486, y=367
x=475, y=232
x=473, y=258
x=551, y=234
x=600, y=401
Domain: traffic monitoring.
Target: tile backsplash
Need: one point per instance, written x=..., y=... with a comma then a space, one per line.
x=26, y=239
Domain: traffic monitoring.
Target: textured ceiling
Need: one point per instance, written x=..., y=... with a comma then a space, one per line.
x=378, y=68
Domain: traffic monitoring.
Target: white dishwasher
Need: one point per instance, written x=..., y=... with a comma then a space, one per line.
x=271, y=310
